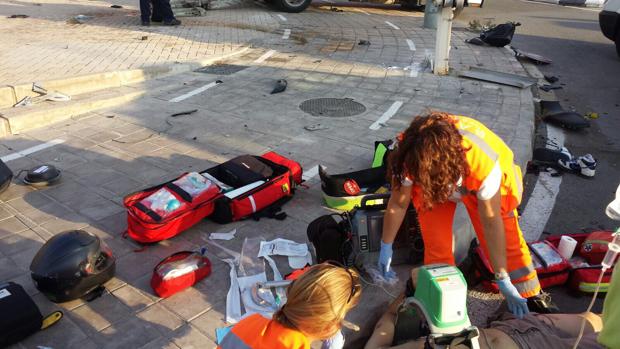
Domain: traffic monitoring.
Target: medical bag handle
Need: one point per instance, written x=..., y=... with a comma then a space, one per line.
x=374, y=201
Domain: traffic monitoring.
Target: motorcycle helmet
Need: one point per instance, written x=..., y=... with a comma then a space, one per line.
x=71, y=265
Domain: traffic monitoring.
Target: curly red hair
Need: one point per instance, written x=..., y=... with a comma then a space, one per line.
x=430, y=154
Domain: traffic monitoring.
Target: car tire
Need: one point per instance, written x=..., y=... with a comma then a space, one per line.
x=617, y=41
x=292, y=6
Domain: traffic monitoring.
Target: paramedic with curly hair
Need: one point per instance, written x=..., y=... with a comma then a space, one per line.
x=441, y=159
x=316, y=305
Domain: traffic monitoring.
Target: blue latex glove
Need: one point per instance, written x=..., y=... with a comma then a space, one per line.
x=516, y=303
x=385, y=260
x=336, y=342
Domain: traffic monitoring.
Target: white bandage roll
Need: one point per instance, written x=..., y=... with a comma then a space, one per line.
x=567, y=246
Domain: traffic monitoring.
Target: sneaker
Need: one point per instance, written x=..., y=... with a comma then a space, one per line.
x=173, y=22
x=570, y=165
x=587, y=165
x=542, y=304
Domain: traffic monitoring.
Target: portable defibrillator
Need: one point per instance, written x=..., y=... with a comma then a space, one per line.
x=367, y=228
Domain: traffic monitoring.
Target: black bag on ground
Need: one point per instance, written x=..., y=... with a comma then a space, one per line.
x=500, y=35
x=20, y=315
x=6, y=175
x=331, y=237
x=244, y=170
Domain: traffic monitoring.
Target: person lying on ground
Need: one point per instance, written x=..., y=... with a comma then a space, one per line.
x=316, y=305
x=533, y=331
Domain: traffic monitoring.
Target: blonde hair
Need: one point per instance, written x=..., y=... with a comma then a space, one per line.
x=319, y=299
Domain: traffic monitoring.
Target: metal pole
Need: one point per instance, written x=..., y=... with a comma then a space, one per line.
x=442, y=41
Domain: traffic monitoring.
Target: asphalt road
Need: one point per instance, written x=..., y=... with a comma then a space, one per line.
x=589, y=69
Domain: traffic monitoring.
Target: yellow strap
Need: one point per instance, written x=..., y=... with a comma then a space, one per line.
x=51, y=319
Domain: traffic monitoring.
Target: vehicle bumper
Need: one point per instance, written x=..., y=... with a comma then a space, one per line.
x=609, y=22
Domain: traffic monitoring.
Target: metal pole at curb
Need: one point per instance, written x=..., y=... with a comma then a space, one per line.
x=448, y=9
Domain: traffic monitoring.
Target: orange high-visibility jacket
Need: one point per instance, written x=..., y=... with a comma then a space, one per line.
x=257, y=332
x=485, y=153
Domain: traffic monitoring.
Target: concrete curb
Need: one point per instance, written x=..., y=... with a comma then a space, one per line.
x=578, y=3
x=11, y=94
x=18, y=120
x=86, y=94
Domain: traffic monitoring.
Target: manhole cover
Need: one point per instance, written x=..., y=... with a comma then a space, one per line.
x=221, y=69
x=333, y=107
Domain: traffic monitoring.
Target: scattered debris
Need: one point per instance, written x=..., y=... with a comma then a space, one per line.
x=364, y=43
x=584, y=165
x=592, y=115
x=552, y=112
x=110, y=116
x=497, y=36
x=44, y=95
x=318, y=61
x=498, y=77
x=219, y=81
x=223, y=236
x=551, y=79
x=535, y=58
x=476, y=26
x=548, y=88
x=18, y=16
x=280, y=86
x=335, y=9
x=80, y=19
x=188, y=112
x=316, y=127
x=116, y=6
x=144, y=37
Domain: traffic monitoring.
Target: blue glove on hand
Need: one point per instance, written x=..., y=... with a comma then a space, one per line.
x=336, y=342
x=385, y=260
x=516, y=303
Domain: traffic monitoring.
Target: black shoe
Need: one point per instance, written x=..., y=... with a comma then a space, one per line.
x=173, y=22
x=157, y=20
x=542, y=304
x=146, y=23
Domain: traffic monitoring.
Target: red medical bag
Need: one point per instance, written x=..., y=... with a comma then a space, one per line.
x=585, y=264
x=178, y=272
x=270, y=179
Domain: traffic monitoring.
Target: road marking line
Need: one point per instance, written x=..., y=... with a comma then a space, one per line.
x=310, y=173
x=282, y=18
x=362, y=11
x=265, y=56
x=287, y=34
x=386, y=116
x=542, y=200
x=392, y=25
x=411, y=44
x=28, y=151
x=193, y=92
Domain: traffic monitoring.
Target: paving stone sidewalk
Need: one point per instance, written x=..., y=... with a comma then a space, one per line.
x=114, y=152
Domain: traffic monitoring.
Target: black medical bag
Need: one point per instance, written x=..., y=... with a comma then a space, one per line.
x=20, y=315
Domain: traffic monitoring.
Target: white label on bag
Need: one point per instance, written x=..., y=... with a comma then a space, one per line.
x=4, y=293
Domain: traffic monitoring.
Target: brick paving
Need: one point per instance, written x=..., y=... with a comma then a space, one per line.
x=113, y=152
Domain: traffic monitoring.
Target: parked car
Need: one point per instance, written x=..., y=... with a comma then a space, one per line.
x=609, y=19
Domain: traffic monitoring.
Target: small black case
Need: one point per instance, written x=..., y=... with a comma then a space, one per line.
x=20, y=315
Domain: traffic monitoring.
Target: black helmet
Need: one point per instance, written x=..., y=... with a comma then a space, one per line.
x=72, y=264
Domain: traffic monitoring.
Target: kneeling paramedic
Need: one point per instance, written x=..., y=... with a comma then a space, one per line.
x=441, y=159
x=316, y=305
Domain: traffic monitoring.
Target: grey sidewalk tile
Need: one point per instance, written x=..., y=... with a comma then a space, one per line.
x=12, y=225
x=164, y=320
x=130, y=333
x=189, y=303
x=133, y=298
x=189, y=337
x=100, y=313
x=161, y=343
x=8, y=269
x=208, y=322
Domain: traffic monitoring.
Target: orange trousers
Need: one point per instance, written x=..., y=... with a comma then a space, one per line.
x=436, y=226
